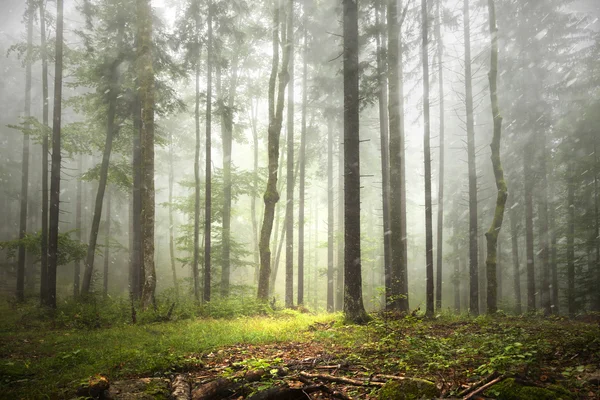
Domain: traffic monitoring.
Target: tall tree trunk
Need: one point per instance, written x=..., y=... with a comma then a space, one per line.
x=289, y=206
x=339, y=281
x=473, y=250
x=553, y=243
x=456, y=278
x=302, y=157
x=56, y=158
x=596, y=234
x=427, y=149
x=254, y=217
x=330, y=227
x=492, y=234
x=528, y=188
x=399, y=286
x=171, y=223
x=146, y=90
x=515, y=258
x=382, y=94
x=354, y=309
x=107, y=245
x=110, y=132
x=208, y=171
x=20, y=293
x=227, y=133
x=78, y=227
x=45, y=150
x=136, y=269
x=544, y=252
x=440, y=210
x=271, y=196
x=571, y=184
x=196, y=255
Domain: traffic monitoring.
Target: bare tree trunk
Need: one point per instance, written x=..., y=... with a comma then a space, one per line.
x=354, y=309
x=171, y=223
x=385, y=151
x=553, y=244
x=196, y=250
x=289, y=206
x=456, y=278
x=330, y=227
x=596, y=233
x=399, y=286
x=339, y=282
x=56, y=158
x=544, y=252
x=255, y=253
x=78, y=228
x=528, y=150
x=473, y=250
x=302, y=157
x=102, y=182
x=20, y=293
x=45, y=150
x=271, y=196
x=515, y=258
x=440, y=215
x=146, y=90
x=208, y=171
x=107, y=245
x=571, y=184
x=136, y=269
x=494, y=231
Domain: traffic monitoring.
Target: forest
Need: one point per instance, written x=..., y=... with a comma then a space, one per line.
x=300, y=199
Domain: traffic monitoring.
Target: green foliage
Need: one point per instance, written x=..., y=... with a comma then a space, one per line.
x=69, y=250
x=509, y=389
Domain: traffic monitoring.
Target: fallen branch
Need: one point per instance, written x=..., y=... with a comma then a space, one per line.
x=385, y=378
x=332, y=392
x=477, y=384
x=218, y=387
x=340, y=379
x=181, y=388
x=483, y=388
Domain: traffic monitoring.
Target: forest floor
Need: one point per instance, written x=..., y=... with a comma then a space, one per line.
x=292, y=355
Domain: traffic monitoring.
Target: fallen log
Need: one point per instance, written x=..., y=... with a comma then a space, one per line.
x=340, y=379
x=181, y=389
x=477, y=384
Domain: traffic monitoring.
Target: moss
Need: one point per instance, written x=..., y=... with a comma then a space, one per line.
x=510, y=389
x=409, y=389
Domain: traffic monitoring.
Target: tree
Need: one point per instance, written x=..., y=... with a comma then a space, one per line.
x=330, y=221
x=473, y=249
x=427, y=147
x=171, y=222
x=56, y=159
x=440, y=210
x=399, y=288
x=492, y=234
x=353, y=303
x=271, y=196
x=25, y=159
x=208, y=159
x=146, y=94
x=107, y=244
x=302, y=161
x=289, y=206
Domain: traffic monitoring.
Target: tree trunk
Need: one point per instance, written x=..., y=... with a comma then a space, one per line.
x=456, y=278
x=354, y=309
x=528, y=175
x=289, y=206
x=208, y=167
x=196, y=250
x=171, y=223
x=473, y=250
x=330, y=226
x=382, y=94
x=107, y=245
x=553, y=243
x=399, y=286
x=427, y=149
x=515, y=258
x=492, y=234
x=596, y=233
x=254, y=217
x=56, y=159
x=146, y=90
x=571, y=185
x=440, y=214
x=271, y=196
x=302, y=157
x=339, y=282
x=78, y=227
x=102, y=182
x=136, y=269
x=544, y=252
x=227, y=133
x=44, y=238
x=20, y=293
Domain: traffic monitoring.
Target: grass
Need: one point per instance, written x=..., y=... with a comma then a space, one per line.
x=52, y=359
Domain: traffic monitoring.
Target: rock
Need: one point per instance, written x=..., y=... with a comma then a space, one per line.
x=409, y=389
x=140, y=389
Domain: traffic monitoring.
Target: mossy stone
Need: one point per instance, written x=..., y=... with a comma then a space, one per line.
x=408, y=389
x=509, y=389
